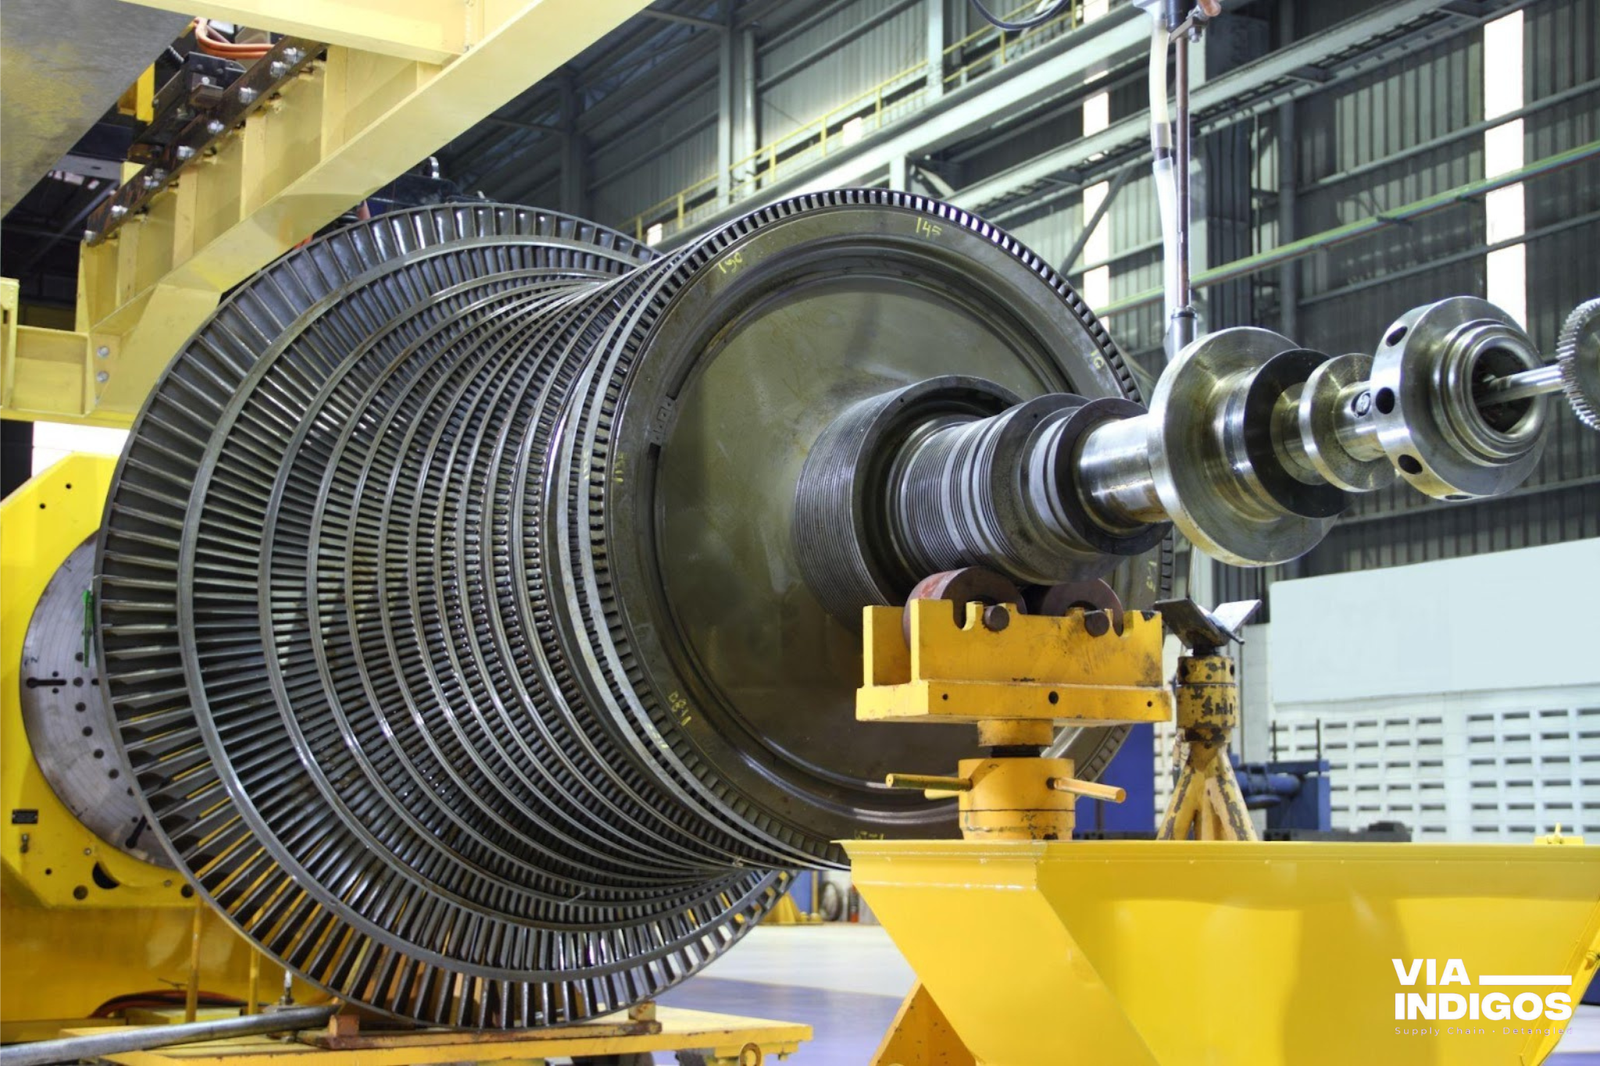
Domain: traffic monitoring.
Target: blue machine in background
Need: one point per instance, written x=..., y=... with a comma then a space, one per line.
x=1132, y=769
x=1296, y=793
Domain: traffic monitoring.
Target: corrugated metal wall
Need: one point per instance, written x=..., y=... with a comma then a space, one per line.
x=672, y=152
x=1348, y=293
x=1343, y=137
x=825, y=62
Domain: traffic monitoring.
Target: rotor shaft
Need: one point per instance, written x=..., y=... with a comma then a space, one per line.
x=1540, y=381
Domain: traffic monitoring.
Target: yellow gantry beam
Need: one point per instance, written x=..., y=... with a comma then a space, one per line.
x=431, y=31
x=401, y=79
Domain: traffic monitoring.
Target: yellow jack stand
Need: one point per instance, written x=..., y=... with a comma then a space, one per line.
x=1206, y=803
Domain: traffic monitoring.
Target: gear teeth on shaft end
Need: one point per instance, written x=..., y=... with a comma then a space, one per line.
x=1580, y=362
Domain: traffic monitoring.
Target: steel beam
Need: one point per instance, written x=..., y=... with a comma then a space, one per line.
x=1288, y=198
x=749, y=120
x=1316, y=242
x=574, y=154
x=332, y=138
x=1053, y=70
x=1249, y=90
x=686, y=20
x=1093, y=222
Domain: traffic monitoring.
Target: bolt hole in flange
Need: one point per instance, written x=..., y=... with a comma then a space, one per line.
x=1385, y=398
x=1395, y=337
x=1410, y=465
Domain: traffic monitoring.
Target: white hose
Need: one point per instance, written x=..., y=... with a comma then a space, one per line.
x=1165, y=178
x=1160, y=116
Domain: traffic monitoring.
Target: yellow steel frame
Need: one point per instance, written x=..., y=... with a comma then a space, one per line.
x=1192, y=953
x=40, y=524
x=951, y=673
x=401, y=78
x=71, y=944
x=723, y=1039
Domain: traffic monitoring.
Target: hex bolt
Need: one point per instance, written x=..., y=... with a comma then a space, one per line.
x=102, y=377
x=215, y=127
x=183, y=151
x=118, y=211
x=996, y=617
x=1362, y=404
x=90, y=236
x=246, y=95
x=103, y=352
x=293, y=55
x=277, y=68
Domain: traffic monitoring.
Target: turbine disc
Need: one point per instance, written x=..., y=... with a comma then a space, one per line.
x=457, y=665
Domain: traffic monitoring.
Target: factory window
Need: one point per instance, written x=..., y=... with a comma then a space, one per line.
x=1504, y=212
x=54, y=441
x=1097, y=249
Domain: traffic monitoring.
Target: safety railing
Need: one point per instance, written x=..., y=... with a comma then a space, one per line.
x=972, y=57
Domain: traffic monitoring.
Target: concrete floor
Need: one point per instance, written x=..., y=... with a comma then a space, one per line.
x=847, y=981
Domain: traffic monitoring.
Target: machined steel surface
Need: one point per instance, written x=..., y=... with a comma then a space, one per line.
x=68, y=718
x=1204, y=458
x=1426, y=405
x=1252, y=444
x=448, y=602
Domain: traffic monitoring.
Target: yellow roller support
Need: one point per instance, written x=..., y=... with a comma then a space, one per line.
x=1227, y=954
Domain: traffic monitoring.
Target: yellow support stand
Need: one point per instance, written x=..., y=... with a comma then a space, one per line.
x=1015, y=677
x=400, y=79
x=920, y=1035
x=1206, y=803
x=1031, y=949
x=1195, y=953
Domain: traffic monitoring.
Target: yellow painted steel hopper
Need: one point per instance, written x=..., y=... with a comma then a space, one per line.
x=1127, y=953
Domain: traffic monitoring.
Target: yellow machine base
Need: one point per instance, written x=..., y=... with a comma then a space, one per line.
x=1213, y=953
x=83, y=921
x=723, y=1040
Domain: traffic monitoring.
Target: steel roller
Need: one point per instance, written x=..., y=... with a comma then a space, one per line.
x=453, y=600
